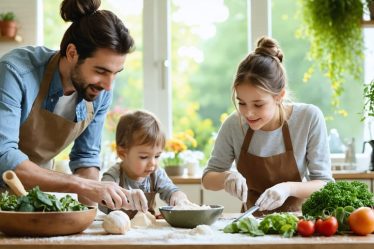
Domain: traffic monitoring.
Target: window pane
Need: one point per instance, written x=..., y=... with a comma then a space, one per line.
x=317, y=91
x=209, y=38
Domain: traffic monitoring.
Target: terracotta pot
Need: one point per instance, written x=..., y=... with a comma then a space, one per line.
x=8, y=28
x=174, y=170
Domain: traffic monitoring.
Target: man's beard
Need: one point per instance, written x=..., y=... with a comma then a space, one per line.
x=81, y=86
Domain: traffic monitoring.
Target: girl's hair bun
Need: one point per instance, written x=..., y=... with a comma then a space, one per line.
x=74, y=10
x=269, y=47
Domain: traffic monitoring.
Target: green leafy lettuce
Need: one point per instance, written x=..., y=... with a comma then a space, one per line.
x=338, y=194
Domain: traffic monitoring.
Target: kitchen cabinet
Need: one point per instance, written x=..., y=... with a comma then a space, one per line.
x=231, y=204
x=195, y=192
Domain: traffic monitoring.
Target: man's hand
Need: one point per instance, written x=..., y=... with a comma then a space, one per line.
x=236, y=185
x=107, y=193
x=274, y=197
x=87, y=173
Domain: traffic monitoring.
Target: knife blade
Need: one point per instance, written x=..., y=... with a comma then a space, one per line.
x=247, y=213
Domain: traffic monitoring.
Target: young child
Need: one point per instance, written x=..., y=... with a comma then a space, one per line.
x=139, y=143
x=280, y=149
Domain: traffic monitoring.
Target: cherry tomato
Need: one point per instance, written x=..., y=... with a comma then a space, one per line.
x=361, y=221
x=328, y=226
x=305, y=228
x=317, y=225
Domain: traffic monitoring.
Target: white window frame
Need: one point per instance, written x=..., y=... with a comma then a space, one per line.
x=156, y=54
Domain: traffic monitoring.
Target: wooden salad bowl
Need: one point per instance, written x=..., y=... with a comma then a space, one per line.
x=41, y=224
x=37, y=224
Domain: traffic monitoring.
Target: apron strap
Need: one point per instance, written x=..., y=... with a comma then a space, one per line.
x=247, y=140
x=287, y=137
x=44, y=88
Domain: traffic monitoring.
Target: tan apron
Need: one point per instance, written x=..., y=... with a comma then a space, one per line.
x=262, y=173
x=44, y=134
x=150, y=195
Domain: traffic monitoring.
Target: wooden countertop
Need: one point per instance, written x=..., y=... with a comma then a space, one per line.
x=352, y=175
x=162, y=235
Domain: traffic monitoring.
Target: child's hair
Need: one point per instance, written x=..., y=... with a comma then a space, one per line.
x=139, y=128
x=263, y=68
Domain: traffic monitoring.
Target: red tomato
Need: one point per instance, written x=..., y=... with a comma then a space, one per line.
x=361, y=221
x=328, y=226
x=305, y=228
x=317, y=225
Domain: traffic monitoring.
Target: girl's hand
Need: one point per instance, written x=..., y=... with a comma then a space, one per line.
x=274, y=197
x=236, y=185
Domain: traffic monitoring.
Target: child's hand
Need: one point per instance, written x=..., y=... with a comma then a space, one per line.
x=178, y=197
x=137, y=200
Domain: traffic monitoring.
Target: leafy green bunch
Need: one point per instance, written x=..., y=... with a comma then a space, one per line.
x=336, y=42
x=338, y=194
x=38, y=201
x=284, y=224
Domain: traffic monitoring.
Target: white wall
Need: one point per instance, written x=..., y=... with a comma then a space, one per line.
x=29, y=21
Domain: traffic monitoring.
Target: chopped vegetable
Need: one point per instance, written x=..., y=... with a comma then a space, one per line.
x=276, y=223
x=338, y=194
x=37, y=200
x=279, y=223
x=248, y=225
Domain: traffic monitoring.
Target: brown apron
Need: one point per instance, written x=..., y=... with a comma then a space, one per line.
x=44, y=134
x=262, y=173
x=150, y=196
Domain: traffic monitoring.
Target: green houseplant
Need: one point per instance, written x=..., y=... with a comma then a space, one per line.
x=336, y=42
x=8, y=25
x=368, y=110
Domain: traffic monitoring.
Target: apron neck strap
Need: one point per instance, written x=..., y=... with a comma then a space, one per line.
x=286, y=137
x=44, y=88
x=285, y=132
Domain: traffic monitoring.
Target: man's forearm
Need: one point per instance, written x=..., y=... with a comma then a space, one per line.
x=32, y=175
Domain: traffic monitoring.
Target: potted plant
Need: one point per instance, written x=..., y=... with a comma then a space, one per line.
x=8, y=25
x=173, y=163
x=336, y=41
x=368, y=110
x=174, y=157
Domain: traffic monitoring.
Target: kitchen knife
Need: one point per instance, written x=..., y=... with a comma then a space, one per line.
x=247, y=213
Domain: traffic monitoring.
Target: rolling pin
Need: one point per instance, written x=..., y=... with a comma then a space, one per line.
x=11, y=179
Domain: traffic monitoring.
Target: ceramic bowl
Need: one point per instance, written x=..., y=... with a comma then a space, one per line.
x=191, y=218
x=41, y=224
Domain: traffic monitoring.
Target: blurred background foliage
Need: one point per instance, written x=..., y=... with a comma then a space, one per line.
x=204, y=61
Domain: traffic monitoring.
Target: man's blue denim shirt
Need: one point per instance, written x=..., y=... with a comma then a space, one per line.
x=21, y=73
